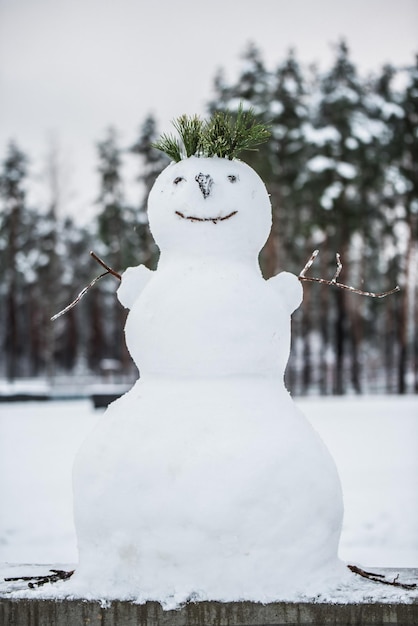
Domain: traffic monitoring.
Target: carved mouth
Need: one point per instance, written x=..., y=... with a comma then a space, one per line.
x=214, y=220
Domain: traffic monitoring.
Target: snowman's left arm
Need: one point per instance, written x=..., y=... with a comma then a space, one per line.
x=289, y=287
x=133, y=282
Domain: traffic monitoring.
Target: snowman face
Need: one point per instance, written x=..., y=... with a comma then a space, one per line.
x=210, y=206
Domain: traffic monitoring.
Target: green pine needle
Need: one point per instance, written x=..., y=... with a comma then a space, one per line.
x=170, y=145
x=224, y=135
x=190, y=131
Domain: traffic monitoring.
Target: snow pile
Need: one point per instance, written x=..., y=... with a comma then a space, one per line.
x=205, y=480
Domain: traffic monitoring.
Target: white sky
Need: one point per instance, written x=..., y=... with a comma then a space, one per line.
x=70, y=68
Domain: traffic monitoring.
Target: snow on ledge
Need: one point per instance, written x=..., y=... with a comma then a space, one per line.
x=357, y=591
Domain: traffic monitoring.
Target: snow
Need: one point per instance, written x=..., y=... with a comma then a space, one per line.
x=236, y=103
x=351, y=143
x=26, y=386
x=38, y=443
x=400, y=184
x=320, y=136
x=330, y=194
x=390, y=109
x=343, y=92
x=386, y=109
x=276, y=108
x=372, y=439
x=320, y=164
x=346, y=170
x=290, y=85
x=366, y=129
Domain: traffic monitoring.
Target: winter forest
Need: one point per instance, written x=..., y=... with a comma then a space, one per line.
x=341, y=166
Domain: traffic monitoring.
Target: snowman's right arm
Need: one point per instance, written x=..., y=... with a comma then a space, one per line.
x=290, y=289
x=133, y=282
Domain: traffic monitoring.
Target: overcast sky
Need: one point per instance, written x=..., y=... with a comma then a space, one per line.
x=70, y=68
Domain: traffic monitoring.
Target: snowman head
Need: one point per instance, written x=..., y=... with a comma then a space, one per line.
x=208, y=206
x=209, y=203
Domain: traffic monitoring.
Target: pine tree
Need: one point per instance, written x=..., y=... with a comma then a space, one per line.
x=50, y=273
x=383, y=109
x=407, y=191
x=153, y=162
x=333, y=173
x=288, y=113
x=112, y=216
x=116, y=232
x=72, y=331
x=250, y=90
x=13, y=235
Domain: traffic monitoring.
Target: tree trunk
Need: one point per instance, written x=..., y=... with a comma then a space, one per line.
x=340, y=342
x=323, y=310
x=406, y=296
x=306, y=338
x=356, y=339
x=12, y=339
x=11, y=334
x=97, y=342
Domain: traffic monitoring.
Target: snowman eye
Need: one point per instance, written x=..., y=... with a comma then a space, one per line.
x=177, y=180
x=232, y=178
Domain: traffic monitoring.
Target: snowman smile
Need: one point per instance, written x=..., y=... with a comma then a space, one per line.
x=214, y=220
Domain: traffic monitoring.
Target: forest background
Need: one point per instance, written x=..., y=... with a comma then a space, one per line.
x=342, y=170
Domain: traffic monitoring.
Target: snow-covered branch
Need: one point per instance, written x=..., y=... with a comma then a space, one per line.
x=83, y=292
x=334, y=282
x=380, y=578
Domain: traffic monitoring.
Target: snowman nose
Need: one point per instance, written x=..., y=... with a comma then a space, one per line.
x=205, y=183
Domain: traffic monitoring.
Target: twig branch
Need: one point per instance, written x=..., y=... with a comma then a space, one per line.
x=334, y=281
x=339, y=268
x=103, y=264
x=83, y=292
x=308, y=264
x=380, y=578
x=78, y=298
x=38, y=581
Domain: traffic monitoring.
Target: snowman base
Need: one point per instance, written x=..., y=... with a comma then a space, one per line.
x=236, y=499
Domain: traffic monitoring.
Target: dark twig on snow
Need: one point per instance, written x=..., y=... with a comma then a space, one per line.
x=334, y=282
x=380, y=578
x=103, y=264
x=83, y=292
x=38, y=581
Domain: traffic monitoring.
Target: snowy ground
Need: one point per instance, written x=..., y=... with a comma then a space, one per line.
x=374, y=441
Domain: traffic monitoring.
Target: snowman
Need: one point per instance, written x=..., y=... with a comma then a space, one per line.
x=205, y=481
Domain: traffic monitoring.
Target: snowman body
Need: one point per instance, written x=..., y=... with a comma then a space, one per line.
x=205, y=481
x=234, y=323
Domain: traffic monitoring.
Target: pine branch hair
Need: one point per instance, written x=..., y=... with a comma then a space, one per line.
x=224, y=135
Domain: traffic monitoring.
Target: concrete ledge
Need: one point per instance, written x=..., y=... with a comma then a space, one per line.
x=35, y=612
x=361, y=603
